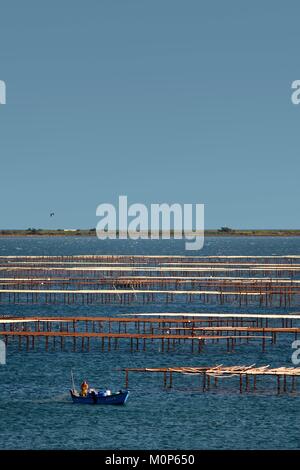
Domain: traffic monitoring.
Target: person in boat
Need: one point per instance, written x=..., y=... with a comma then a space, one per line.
x=84, y=388
x=93, y=396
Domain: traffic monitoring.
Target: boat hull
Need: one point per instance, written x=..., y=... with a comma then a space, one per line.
x=119, y=398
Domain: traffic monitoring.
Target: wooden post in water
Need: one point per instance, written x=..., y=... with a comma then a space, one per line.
x=284, y=383
x=254, y=382
x=204, y=382
x=171, y=380
x=208, y=381
x=278, y=383
x=263, y=342
x=165, y=379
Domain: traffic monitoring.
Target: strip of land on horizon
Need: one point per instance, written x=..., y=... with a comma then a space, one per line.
x=223, y=232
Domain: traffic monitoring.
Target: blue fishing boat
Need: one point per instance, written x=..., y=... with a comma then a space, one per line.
x=102, y=397
x=90, y=396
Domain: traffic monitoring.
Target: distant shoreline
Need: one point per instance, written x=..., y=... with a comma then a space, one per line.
x=92, y=233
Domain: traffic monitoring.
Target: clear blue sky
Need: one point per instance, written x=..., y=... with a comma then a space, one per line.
x=161, y=100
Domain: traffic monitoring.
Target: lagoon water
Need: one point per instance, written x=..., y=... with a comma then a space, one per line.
x=35, y=408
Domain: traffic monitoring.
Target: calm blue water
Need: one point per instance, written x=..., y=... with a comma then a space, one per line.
x=35, y=410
